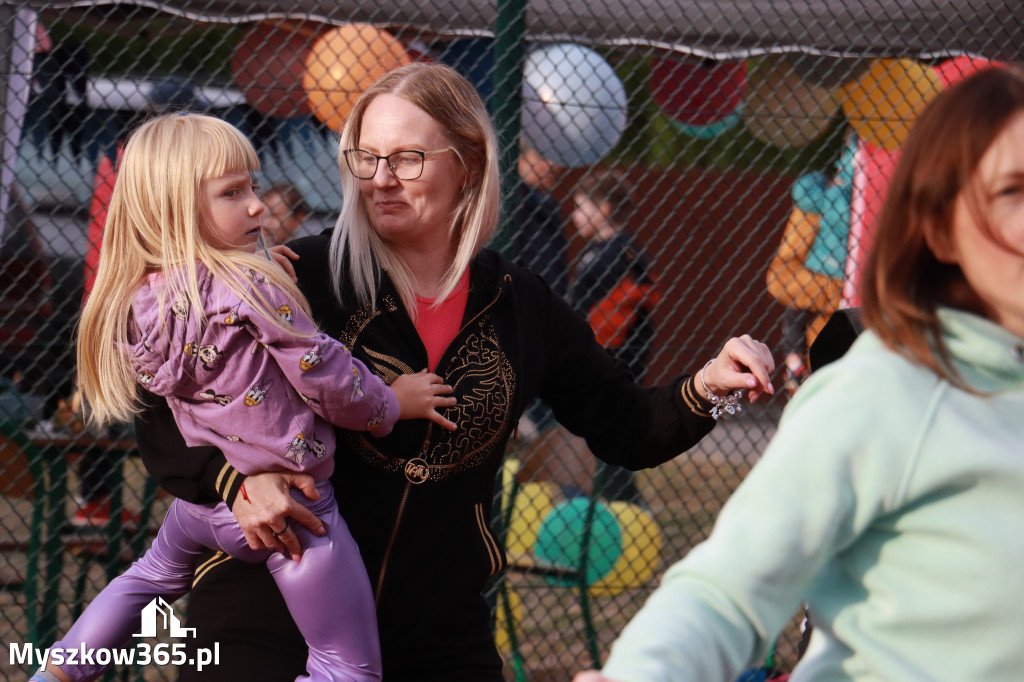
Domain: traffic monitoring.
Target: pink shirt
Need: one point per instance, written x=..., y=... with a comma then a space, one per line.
x=438, y=326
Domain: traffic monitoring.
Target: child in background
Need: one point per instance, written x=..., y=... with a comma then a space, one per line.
x=184, y=307
x=612, y=287
x=287, y=210
x=891, y=497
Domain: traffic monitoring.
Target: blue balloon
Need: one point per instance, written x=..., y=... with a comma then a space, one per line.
x=574, y=105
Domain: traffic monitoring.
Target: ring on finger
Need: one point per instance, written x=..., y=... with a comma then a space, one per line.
x=279, y=533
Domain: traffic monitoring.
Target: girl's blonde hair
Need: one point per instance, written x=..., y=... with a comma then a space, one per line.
x=453, y=102
x=156, y=223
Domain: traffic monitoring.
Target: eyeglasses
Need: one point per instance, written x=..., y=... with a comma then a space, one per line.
x=405, y=164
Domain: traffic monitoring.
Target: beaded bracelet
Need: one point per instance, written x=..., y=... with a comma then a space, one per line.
x=727, y=404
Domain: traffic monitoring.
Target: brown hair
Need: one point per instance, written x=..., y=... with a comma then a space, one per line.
x=903, y=281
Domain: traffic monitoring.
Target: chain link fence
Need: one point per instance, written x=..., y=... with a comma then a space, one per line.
x=735, y=155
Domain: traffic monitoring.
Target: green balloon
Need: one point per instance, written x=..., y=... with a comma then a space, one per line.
x=561, y=534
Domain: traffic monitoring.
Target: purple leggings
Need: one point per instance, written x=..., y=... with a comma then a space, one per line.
x=328, y=592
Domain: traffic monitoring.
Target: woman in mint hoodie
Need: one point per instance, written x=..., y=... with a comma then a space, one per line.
x=891, y=498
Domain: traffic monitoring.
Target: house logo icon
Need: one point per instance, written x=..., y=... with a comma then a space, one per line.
x=158, y=611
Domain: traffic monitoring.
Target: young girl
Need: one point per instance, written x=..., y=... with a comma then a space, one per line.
x=892, y=496
x=185, y=307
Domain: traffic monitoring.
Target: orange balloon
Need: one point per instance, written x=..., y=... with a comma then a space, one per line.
x=343, y=63
x=883, y=104
x=268, y=64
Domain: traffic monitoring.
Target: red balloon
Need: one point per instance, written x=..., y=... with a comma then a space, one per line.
x=697, y=94
x=268, y=64
x=958, y=68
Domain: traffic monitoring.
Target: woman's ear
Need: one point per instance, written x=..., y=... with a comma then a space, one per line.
x=941, y=243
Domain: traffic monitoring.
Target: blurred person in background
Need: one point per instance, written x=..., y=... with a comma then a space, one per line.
x=287, y=210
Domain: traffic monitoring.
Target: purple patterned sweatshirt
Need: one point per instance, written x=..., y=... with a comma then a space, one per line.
x=259, y=393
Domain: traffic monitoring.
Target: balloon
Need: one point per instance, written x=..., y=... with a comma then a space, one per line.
x=641, y=545
x=269, y=62
x=783, y=110
x=883, y=103
x=828, y=72
x=574, y=106
x=711, y=130
x=960, y=67
x=344, y=62
x=560, y=539
x=534, y=501
x=697, y=94
x=501, y=625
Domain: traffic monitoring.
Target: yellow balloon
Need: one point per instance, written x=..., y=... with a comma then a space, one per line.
x=883, y=104
x=501, y=626
x=782, y=109
x=534, y=501
x=508, y=472
x=344, y=62
x=641, y=547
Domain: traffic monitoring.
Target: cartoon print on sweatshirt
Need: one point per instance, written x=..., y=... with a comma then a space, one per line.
x=208, y=354
x=258, y=392
x=300, y=445
x=311, y=358
x=180, y=308
x=357, y=386
x=233, y=318
x=379, y=413
x=312, y=402
x=285, y=313
x=256, y=277
x=219, y=398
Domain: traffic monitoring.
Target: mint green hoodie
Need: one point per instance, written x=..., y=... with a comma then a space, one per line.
x=892, y=503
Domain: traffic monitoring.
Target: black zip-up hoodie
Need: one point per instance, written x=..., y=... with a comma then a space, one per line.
x=418, y=501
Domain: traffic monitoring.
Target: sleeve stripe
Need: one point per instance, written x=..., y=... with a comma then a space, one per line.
x=693, y=400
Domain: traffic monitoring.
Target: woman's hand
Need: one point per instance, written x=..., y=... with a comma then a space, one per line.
x=744, y=364
x=265, y=510
x=284, y=256
x=419, y=396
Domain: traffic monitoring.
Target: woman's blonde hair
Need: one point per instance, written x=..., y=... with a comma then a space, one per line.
x=451, y=100
x=903, y=281
x=156, y=223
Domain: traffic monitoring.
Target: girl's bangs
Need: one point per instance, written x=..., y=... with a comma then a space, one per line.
x=229, y=152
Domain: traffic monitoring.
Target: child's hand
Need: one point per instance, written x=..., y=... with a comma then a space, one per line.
x=419, y=396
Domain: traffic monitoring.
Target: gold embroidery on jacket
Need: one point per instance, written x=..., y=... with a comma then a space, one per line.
x=484, y=384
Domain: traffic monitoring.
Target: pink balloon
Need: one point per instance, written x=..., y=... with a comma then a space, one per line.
x=958, y=68
x=697, y=94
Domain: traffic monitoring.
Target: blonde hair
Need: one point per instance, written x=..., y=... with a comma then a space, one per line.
x=453, y=102
x=156, y=223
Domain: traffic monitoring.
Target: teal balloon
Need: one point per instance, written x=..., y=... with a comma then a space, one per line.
x=574, y=105
x=560, y=539
x=711, y=130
